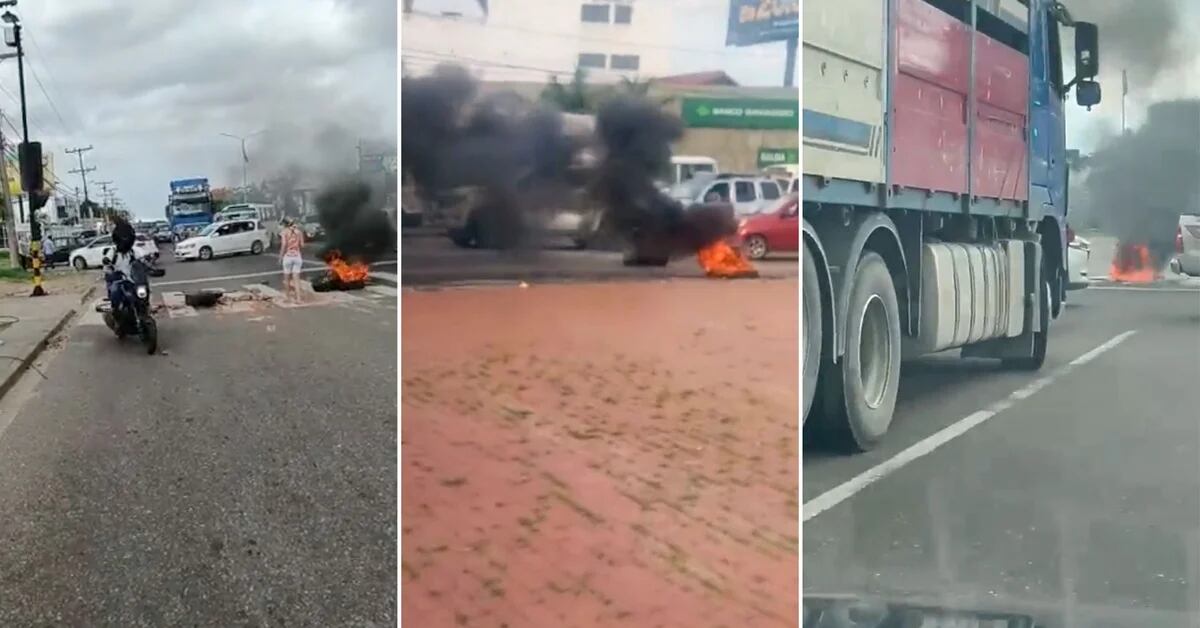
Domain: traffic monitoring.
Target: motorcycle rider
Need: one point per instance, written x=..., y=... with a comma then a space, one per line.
x=120, y=259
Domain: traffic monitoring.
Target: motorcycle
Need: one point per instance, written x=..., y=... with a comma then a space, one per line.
x=133, y=316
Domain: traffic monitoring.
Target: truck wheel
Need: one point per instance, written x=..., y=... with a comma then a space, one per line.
x=859, y=394
x=1041, y=338
x=811, y=342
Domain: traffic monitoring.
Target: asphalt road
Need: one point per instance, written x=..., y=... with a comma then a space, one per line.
x=432, y=259
x=1073, y=493
x=245, y=478
x=250, y=267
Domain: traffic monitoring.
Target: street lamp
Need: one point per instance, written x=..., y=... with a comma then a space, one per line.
x=245, y=158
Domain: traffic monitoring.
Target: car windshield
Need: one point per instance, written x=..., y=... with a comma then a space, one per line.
x=207, y=231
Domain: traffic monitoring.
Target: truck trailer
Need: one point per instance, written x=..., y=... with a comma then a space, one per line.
x=935, y=192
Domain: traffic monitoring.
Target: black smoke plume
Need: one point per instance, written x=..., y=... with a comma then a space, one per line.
x=517, y=157
x=355, y=225
x=522, y=160
x=636, y=136
x=1139, y=183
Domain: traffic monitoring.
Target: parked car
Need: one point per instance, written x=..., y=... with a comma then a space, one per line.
x=774, y=231
x=163, y=235
x=1079, y=251
x=312, y=228
x=749, y=194
x=225, y=238
x=63, y=246
x=92, y=254
x=1187, y=245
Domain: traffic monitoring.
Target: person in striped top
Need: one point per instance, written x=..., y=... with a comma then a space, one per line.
x=291, y=240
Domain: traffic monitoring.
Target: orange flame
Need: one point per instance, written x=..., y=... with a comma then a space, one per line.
x=346, y=271
x=721, y=260
x=1132, y=264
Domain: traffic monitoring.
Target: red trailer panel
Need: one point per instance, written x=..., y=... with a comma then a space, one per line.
x=929, y=107
x=998, y=165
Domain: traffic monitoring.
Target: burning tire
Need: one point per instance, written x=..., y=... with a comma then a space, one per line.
x=811, y=342
x=859, y=393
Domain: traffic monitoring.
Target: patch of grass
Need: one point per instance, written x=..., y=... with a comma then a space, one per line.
x=12, y=274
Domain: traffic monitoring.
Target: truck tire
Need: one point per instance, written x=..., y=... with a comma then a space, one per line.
x=859, y=393
x=812, y=341
x=1041, y=339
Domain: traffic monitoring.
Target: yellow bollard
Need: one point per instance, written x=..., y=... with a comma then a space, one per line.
x=35, y=255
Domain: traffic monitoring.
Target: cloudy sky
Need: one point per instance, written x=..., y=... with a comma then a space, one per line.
x=151, y=84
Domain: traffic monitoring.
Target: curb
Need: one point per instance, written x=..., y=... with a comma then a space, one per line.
x=24, y=363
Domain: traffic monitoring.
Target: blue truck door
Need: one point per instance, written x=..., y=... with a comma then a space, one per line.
x=1048, y=167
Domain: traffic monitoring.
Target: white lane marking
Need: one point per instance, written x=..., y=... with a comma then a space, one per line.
x=849, y=488
x=177, y=306
x=382, y=292
x=387, y=276
x=1091, y=355
x=1132, y=289
x=266, y=273
x=264, y=291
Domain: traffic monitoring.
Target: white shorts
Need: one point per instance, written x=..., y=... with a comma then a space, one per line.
x=292, y=264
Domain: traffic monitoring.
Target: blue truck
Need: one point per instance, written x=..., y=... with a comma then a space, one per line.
x=935, y=192
x=189, y=206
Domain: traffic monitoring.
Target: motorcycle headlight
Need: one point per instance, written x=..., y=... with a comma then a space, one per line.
x=142, y=292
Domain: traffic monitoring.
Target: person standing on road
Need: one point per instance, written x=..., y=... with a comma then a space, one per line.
x=291, y=240
x=48, y=251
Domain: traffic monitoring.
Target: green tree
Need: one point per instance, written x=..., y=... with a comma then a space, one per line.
x=573, y=97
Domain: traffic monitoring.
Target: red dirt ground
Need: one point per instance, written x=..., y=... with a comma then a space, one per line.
x=617, y=454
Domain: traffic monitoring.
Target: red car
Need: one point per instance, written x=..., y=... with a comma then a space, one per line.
x=776, y=230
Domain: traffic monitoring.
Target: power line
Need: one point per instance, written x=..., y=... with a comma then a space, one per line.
x=49, y=99
x=441, y=57
x=53, y=82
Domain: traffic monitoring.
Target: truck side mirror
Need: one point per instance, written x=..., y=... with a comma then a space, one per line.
x=1087, y=51
x=1087, y=94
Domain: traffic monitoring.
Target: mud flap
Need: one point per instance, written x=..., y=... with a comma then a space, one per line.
x=1021, y=345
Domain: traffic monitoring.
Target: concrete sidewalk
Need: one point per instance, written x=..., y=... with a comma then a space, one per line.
x=27, y=325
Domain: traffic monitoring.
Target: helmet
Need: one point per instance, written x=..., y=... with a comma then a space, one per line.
x=123, y=236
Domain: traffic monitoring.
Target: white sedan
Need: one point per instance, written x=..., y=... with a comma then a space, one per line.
x=1079, y=251
x=225, y=238
x=92, y=254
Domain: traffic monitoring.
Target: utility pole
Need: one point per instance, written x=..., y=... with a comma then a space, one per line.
x=104, y=198
x=1124, y=93
x=30, y=154
x=10, y=220
x=81, y=171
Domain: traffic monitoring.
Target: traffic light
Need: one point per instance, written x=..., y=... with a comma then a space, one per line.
x=32, y=177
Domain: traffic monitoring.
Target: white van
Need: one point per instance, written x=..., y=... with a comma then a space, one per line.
x=684, y=167
x=264, y=213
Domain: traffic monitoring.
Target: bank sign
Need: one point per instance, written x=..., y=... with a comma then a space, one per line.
x=768, y=157
x=741, y=113
x=760, y=21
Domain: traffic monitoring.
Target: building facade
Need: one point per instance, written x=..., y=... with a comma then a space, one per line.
x=534, y=40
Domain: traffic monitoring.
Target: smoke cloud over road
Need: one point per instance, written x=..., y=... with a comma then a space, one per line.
x=1137, y=184
x=523, y=159
x=354, y=224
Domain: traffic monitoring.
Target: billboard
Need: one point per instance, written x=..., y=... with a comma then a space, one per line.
x=760, y=21
x=741, y=113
